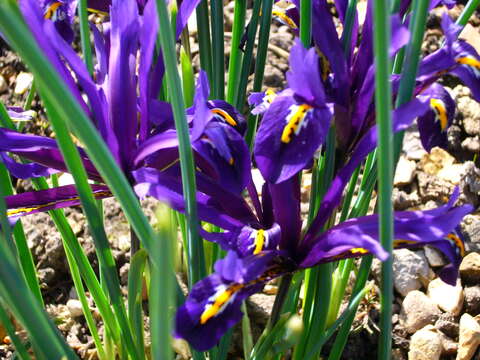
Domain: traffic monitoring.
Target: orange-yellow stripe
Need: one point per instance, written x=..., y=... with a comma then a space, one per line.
x=225, y=116
x=468, y=60
x=397, y=243
x=259, y=241
x=270, y=95
x=458, y=243
x=51, y=9
x=220, y=300
x=439, y=107
x=294, y=121
x=359, y=251
x=27, y=210
x=283, y=16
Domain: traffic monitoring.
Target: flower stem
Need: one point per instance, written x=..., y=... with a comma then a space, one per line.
x=467, y=12
x=306, y=22
x=280, y=299
x=383, y=106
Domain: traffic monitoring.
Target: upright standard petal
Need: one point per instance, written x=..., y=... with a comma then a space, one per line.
x=224, y=151
x=148, y=35
x=122, y=91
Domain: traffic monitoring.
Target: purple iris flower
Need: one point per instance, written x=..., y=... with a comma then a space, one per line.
x=138, y=129
x=261, y=248
x=270, y=244
x=347, y=73
x=265, y=240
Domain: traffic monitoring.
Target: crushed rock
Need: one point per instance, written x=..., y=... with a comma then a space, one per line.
x=418, y=310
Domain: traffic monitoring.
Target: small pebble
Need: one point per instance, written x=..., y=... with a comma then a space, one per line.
x=405, y=171
x=409, y=269
x=3, y=85
x=472, y=300
x=449, y=347
x=418, y=310
x=425, y=344
x=74, y=308
x=469, y=337
x=470, y=268
x=434, y=257
x=448, y=325
x=23, y=83
x=447, y=297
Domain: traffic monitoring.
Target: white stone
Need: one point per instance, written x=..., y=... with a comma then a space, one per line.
x=23, y=83
x=432, y=163
x=418, y=310
x=412, y=146
x=447, y=297
x=469, y=337
x=3, y=84
x=408, y=268
x=405, y=171
x=74, y=308
x=434, y=257
x=452, y=173
x=425, y=344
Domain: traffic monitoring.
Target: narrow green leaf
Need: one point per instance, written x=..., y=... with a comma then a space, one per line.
x=204, y=42
x=18, y=298
x=135, y=292
x=188, y=80
x=246, y=332
x=77, y=282
x=342, y=336
x=162, y=290
x=236, y=55
x=195, y=251
x=24, y=254
x=260, y=61
x=348, y=312
x=467, y=12
x=218, y=46
x=247, y=56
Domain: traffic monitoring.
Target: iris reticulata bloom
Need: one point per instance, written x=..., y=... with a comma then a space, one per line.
x=134, y=126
